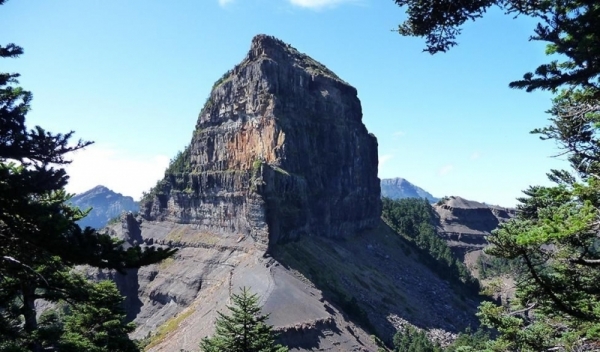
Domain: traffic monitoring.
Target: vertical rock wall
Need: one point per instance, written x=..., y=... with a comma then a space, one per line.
x=279, y=151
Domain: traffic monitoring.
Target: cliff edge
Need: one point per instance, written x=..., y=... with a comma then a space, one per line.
x=279, y=152
x=278, y=191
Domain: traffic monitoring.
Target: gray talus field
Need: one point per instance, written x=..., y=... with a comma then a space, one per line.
x=323, y=294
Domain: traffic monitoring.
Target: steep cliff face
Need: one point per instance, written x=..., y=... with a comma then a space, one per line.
x=279, y=161
x=279, y=152
x=465, y=224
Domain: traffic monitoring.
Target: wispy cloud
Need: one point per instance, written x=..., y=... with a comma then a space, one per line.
x=127, y=174
x=399, y=134
x=446, y=169
x=475, y=155
x=224, y=3
x=384, y=159
x=319, y=4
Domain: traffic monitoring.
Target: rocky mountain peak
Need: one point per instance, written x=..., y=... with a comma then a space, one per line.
x=398, y=188
x=279, y=152
x=280, y=163
x=105, y=203
x=97, y=190
x=455, y=202
x=268, y=47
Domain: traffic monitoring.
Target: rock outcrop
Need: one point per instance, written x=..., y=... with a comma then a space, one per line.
x=398, y=188
x=465, y=224
x=279, y=152
x=278, y=191
x=106, y=205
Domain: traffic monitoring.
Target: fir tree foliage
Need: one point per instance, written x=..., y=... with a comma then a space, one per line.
x=180, y=163
x=414, y=340
x=491, y=266
x=98, y=324
x=244, y=330
x=569, y=27
x=554, y=238
x=469, y=341
x=41, y=241
x=414, y=218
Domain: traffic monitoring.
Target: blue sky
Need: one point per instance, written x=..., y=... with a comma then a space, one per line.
x=133, y=75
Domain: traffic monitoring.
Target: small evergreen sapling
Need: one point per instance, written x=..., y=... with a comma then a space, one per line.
x=245, y=330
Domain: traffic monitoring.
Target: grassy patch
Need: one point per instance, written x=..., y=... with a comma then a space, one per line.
x=222, y=79
x=168, y=327
x=256, y=166
x=176, y=234
x=187, y=235
x=280, y=170
x=166, y=263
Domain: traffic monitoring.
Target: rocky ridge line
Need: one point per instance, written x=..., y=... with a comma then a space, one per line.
x=280, y=161
x=279, y=152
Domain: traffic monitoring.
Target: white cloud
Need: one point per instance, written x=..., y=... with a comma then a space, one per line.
x=224, y=3
x=475, y=155
x=399, y=134
x=126, y=174
x=319, y=4
x=446, y=170
x=384, y=159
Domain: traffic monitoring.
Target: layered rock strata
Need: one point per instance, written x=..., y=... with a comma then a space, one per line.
x=465, y=224
x=279, y=152
x=279, y=161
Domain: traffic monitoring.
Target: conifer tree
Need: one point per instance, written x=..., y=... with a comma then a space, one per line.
x=245, y=330
x=555, y=238
x=98, y=324
x=41, y=240
x=413, y=340
x=414, y=219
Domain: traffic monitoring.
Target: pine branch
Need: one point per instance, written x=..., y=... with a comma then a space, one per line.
x=586, y=262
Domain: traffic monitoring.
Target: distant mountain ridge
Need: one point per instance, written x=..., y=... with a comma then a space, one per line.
x=105, y=203
x=398, y=188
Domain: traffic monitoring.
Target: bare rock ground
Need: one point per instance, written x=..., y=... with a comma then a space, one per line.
x=322, y=294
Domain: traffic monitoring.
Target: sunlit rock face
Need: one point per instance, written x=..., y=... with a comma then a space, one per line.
x=279, y=152
x=279, y=168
